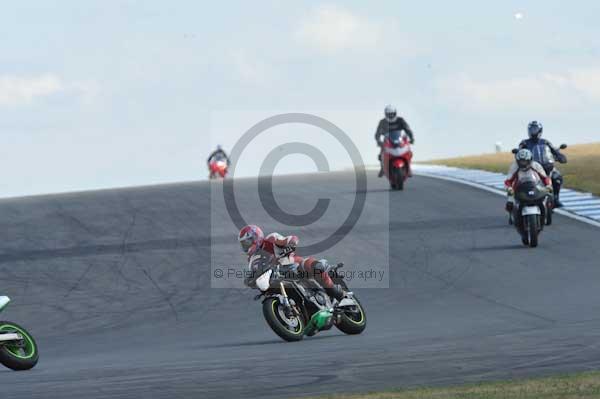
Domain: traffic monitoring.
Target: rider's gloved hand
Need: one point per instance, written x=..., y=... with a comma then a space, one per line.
x=289, y=247
x=285, y=251
x=550, y=189
x=510, y=191
x=412, y=141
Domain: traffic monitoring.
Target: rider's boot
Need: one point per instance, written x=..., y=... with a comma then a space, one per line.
x=557, y=181
x=556, y=189
x=510, y=204
x=336, y=292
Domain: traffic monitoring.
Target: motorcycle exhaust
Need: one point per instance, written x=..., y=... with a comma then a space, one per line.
x=322, y=320
x=10, y=337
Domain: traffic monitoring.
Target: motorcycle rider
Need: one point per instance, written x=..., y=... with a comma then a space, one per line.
x=282, y=249
x=543, y=151
x=391, y=123
x=218, y=155
x=518, y=169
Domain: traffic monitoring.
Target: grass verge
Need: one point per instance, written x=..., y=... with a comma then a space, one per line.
x=580, y=386
x=582, y=172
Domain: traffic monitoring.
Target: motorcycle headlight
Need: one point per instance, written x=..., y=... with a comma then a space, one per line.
x=263, y=281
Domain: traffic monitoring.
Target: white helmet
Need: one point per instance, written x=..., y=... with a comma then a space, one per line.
x=524, y=158
x=390, y=113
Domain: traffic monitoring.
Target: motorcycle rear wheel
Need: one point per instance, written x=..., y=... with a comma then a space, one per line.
x=353, y=324
x=272, y=311
x=18, y=356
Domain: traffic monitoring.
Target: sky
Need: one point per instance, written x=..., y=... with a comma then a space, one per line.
x=117, y=93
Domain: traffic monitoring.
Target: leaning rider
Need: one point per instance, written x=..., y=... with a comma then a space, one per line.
x=282, y=249
x=391, y=123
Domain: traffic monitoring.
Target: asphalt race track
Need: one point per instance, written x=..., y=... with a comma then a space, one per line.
x=116, y=287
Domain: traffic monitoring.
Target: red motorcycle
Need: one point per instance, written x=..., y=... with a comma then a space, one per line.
x=397, y=155
x=217, y=168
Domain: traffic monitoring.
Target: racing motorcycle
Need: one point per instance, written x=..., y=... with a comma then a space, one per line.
x=397, y=155
x=544, y=157
x=296, y=307
x=533, y=202
x=18, y=350
x=218, y=169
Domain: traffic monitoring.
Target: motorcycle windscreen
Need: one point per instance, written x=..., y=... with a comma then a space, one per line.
x=530, y=190
x=542, y=154
x=529, y=177
x=396, y=138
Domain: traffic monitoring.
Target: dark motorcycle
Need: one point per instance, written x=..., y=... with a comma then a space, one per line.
x=544, y=156
x=295, y=306
x=532, y=204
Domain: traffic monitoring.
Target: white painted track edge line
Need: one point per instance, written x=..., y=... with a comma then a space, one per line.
x=502, y=193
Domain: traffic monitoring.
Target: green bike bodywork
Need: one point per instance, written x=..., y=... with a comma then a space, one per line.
x=318, y=321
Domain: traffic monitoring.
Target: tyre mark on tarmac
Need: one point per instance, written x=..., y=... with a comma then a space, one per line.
x=453, y=284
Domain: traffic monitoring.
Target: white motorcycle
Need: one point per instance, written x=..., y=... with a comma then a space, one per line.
x=532, y=202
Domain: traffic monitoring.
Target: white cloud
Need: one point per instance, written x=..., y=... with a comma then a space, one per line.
x=587, y=81
x=16, y=90
x=332, y=28
x=545, y=91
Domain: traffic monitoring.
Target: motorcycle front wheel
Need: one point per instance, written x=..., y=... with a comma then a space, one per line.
x=397, y=179
x=532, y=230
x=288, y=328
x=21, y=355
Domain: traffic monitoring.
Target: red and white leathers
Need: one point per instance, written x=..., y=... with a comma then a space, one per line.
x=281, y=247
x=515, y=173
x=283, y=250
